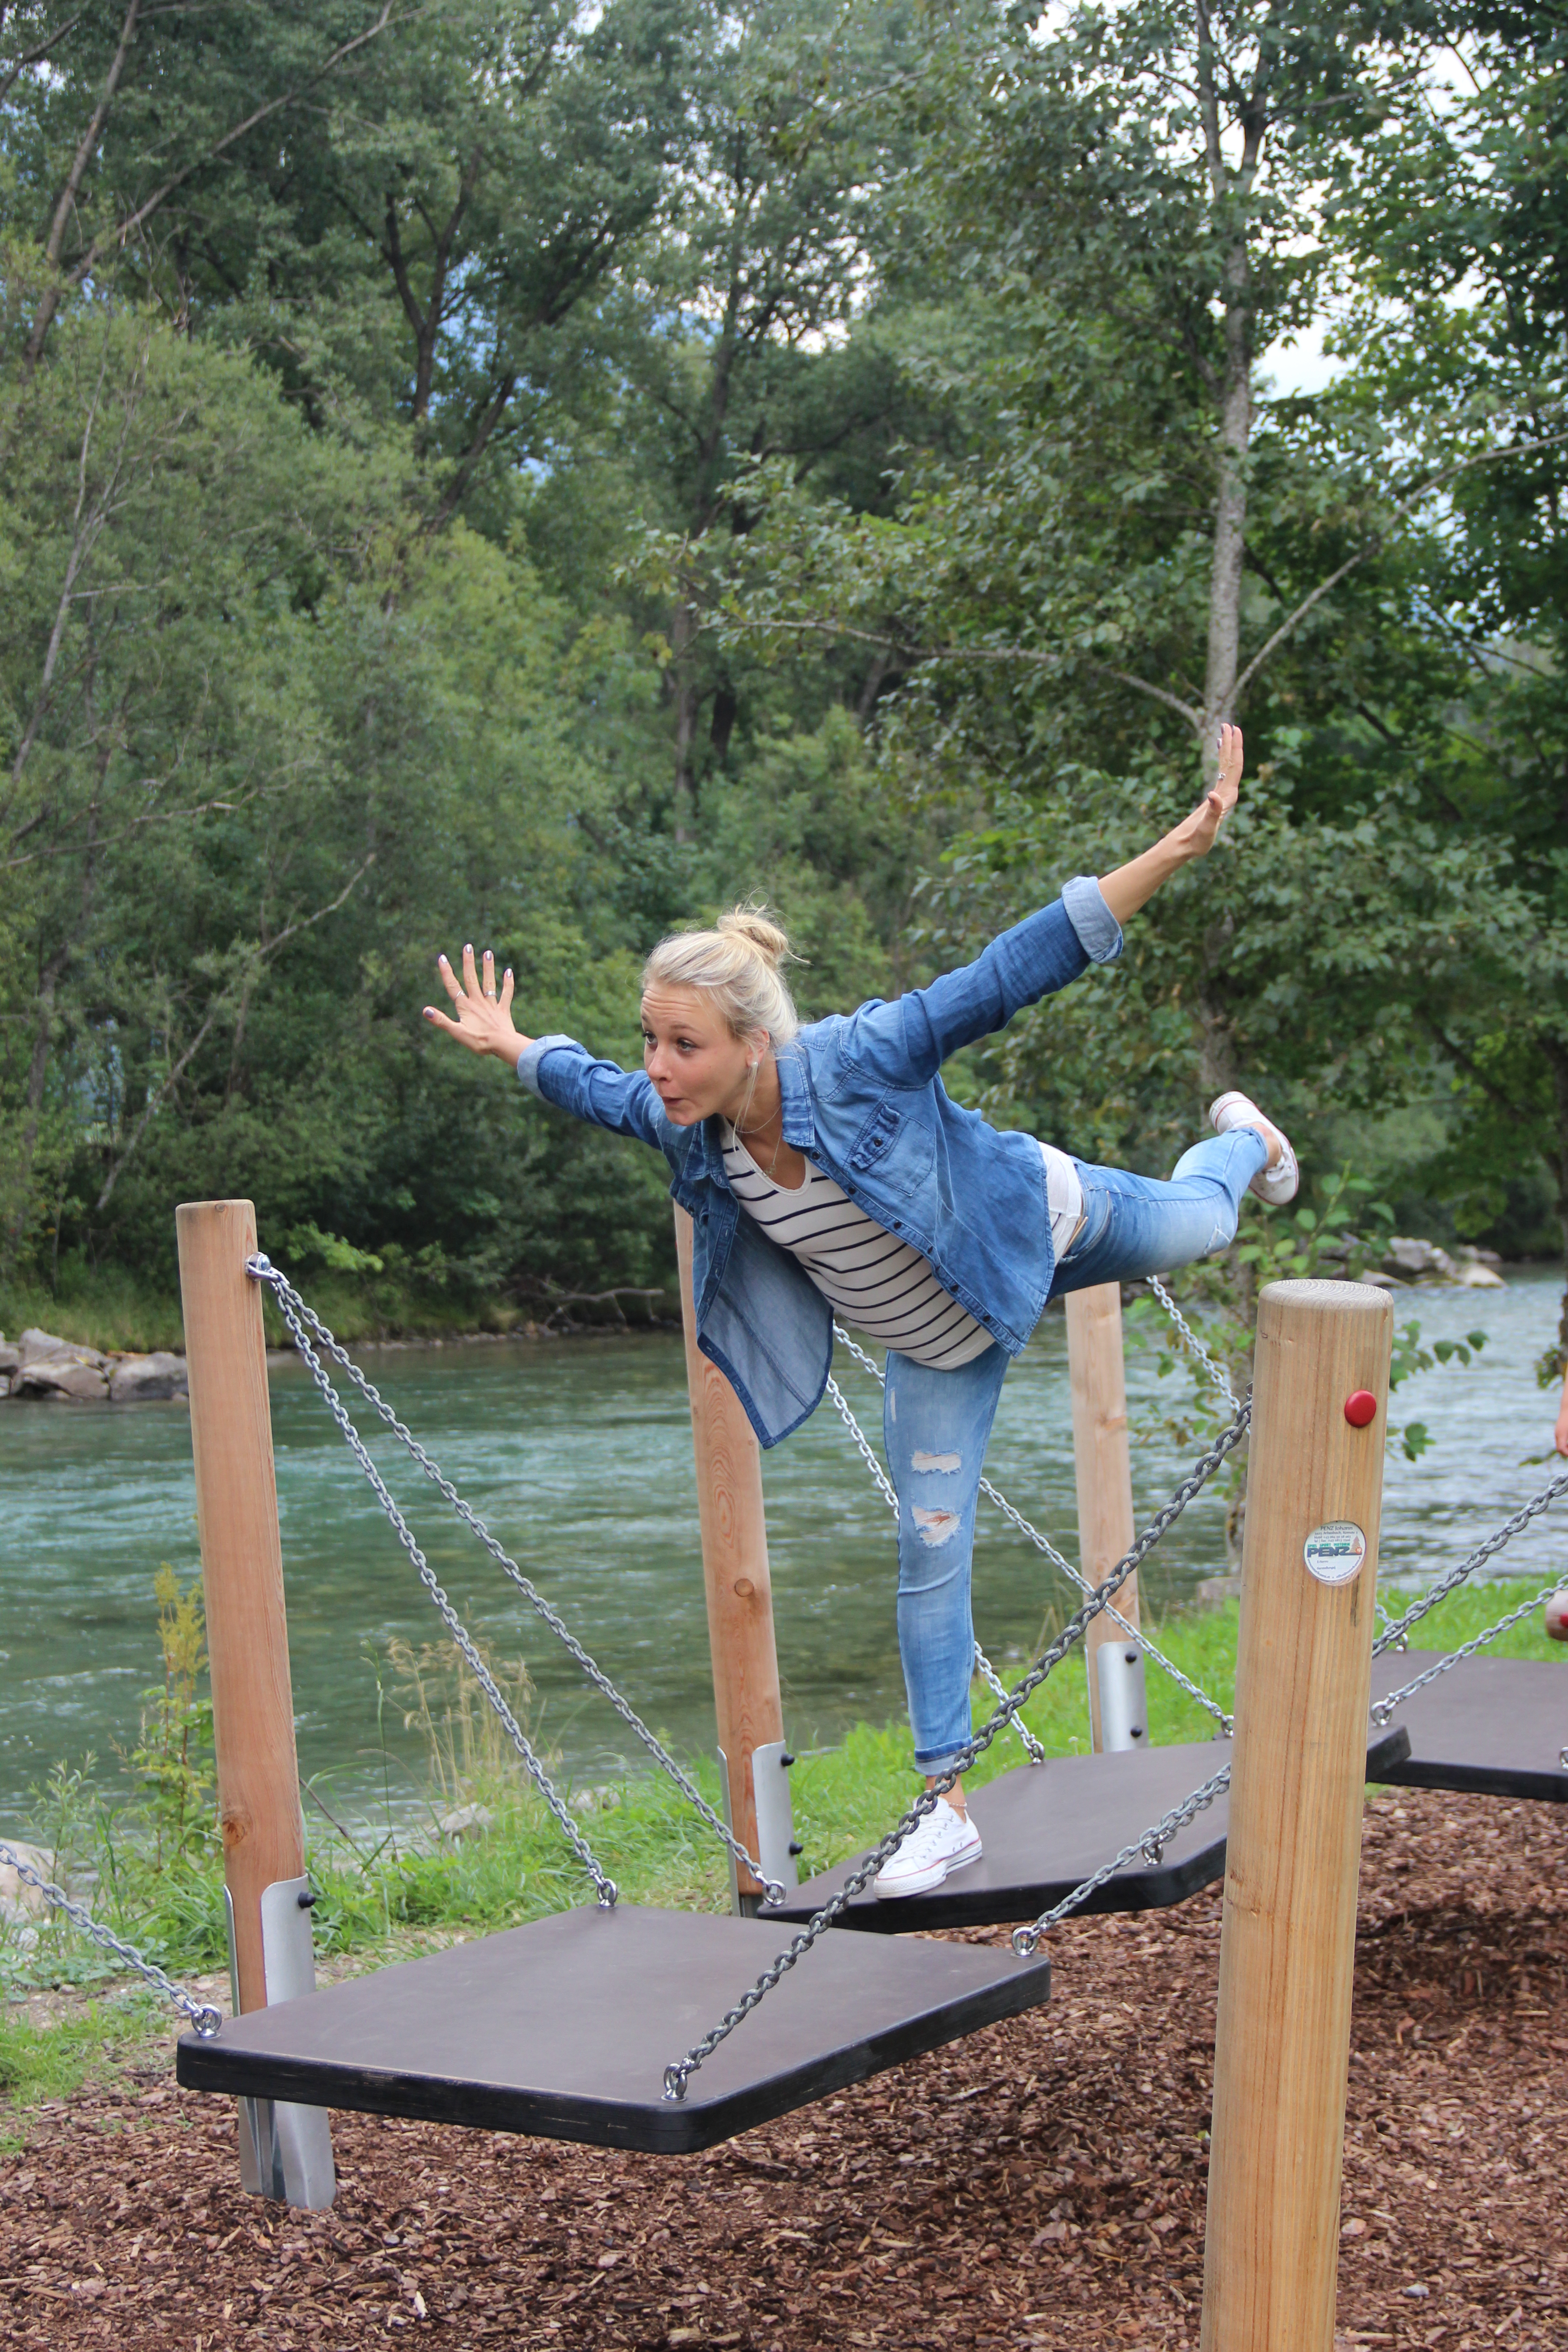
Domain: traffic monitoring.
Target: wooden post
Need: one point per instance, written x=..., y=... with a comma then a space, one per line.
x=734, y=1569
x=1100, y=1460
x=242, y=1570
x=1293, y=1851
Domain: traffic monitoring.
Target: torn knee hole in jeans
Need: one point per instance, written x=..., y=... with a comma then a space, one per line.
x=935, y=1527
x=945, y=1462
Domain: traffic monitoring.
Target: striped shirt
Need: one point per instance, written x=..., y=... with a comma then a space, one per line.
x=880, y=1285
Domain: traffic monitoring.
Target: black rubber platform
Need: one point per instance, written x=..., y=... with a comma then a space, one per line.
x=563, y=2027
x=1048, y=1826
x=1495, y=1726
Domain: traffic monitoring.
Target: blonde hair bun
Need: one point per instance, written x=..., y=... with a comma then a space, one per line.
x=737, y=965
x=755, y=925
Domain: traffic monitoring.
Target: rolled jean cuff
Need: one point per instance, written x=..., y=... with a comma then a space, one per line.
x=532, y=1056
x=933, y=1766
x=1098, y=932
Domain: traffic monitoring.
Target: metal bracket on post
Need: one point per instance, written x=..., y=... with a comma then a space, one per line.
x=776, y=1816
x=285, y=2150
x=1123, y=1708
x=776, y=1847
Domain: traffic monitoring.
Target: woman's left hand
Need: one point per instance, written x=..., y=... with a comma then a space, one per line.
x=1133, y=885
x=1197, y=834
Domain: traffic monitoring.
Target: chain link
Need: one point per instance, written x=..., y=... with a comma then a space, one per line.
x=299, y=1315
x=293, y=1310
x=998, y=1690
x=1032, y=1534
x=1397, y=1633
x=1151, y=1846
x=1153, y=1841
x=1215, y=1371
x=202, y=2014
x=678, y=2075
x=1385, y=1708
x=1134, y=1632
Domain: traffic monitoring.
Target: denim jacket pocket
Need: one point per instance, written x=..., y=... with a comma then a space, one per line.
x=894, y=1147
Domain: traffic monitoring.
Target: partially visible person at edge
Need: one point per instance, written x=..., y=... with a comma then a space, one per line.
x=1557, y=1607
x=828, y=1173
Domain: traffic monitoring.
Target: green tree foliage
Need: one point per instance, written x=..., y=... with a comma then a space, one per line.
x=495, y=469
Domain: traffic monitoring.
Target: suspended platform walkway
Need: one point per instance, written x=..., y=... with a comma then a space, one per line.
x=1495, y=1727
x=558, y=2028
x=1048, y=1827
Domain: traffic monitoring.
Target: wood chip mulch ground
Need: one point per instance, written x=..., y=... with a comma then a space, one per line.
x=1040, y=2185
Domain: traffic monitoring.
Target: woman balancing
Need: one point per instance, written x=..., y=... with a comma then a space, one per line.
x=829, y=1172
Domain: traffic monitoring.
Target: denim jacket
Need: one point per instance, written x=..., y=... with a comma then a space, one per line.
x=862, y=1098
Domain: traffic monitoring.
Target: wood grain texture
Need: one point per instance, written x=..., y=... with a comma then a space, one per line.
x=1288, y=1941
x=1100, y=1460
x=734, y=1566
x=242, y=1569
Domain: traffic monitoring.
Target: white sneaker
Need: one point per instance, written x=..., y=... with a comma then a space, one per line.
x=945, y=1839
x=1276, y=1185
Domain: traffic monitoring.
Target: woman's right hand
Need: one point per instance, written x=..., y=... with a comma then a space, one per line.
x=483, y=1022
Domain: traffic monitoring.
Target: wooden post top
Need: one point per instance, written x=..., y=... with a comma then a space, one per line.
x=1278, y=1301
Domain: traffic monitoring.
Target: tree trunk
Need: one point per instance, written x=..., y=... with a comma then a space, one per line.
x=86, y=148
x=683, y=689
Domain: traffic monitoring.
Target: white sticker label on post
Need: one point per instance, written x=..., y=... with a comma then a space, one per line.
x=1335, y=1551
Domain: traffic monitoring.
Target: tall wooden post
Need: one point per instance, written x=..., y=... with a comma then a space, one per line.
x=735, y=1575
x=1293, y=1850
x=242, y=1570
x=1101, y=1462
x=285, y=2151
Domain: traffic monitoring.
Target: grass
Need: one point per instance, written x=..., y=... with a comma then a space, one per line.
x=113, y=1308
x=97, y=2042
x=379, y=1895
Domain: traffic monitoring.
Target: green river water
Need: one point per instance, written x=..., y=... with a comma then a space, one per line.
x=579, y=1455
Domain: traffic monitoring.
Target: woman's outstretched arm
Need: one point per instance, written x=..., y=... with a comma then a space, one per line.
x=600, y=1092
x=1133, y=885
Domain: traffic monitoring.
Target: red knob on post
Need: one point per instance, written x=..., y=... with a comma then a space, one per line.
x=1360, y=1408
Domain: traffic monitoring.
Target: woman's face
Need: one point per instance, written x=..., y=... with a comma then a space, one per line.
x=697, y=1063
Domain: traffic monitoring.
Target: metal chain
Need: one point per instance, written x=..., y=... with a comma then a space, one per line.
x=1386, y=1707
x=287, y=1302
x=1151, y=1846
x=295, y=1312
x=998, y=1690
x=988, y=1674
x=677, y=2075
x=1153, y=1843
x=1215, y=1371
x=1134, y=1632
x=202, y=2014
x=1456, y=1576
x=1042, y=1544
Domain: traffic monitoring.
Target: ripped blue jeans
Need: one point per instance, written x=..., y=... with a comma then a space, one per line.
x=936, y=1425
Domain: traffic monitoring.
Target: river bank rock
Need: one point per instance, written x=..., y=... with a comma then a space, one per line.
x=47, y=1369
x=53, y=1369
x=145, y=1379
x=20, y=1901
x=1415, y=1260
